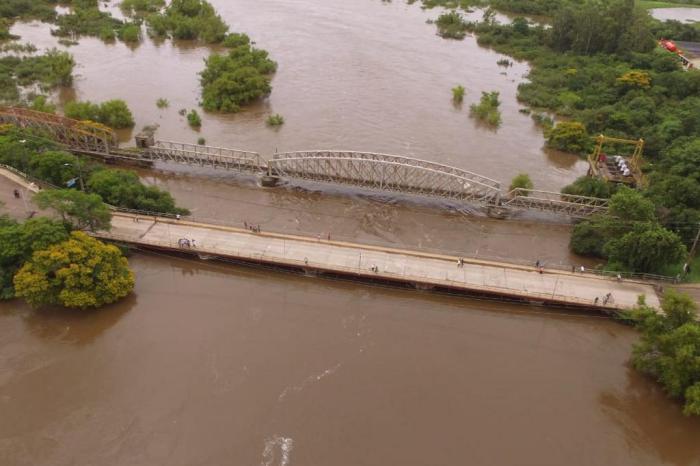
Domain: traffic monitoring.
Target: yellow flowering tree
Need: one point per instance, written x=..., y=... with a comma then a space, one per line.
x=80, y=272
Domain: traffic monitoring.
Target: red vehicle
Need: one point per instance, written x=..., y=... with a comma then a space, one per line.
x=669, y=45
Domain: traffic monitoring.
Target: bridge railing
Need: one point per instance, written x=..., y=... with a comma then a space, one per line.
x=574, y=205
x=478, y=256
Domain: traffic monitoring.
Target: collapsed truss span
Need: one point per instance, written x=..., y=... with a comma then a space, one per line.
x=386, y=173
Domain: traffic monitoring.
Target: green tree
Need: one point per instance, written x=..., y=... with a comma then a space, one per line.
x=19, y=241
x=80, y=272
x=669, y=349
x=123, y=188
x=589, y=237
x=82, y=111
x=236, y=79
x=55, y=167
x=630, y=205
x=113, y=113
x=646, y=248
x=569, y=136
x=116, y=114
x=80, y=209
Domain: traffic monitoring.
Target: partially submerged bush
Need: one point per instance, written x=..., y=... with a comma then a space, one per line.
x=458, y=94
x=451, y=25
x=275, y=120
x=113, y=113
x=487, y=109
x=235, y=79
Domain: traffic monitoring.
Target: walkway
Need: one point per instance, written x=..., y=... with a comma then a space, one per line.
x=382, y=264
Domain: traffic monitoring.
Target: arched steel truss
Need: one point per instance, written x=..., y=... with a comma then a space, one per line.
x=386, y=173
x=80, y=136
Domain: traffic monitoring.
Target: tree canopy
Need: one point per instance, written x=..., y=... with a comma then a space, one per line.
x=19, y=241
x=80, y=272
x=82, y=210
x=124, y=188
x=669, y=350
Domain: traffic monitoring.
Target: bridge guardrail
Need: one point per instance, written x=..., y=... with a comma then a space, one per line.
x=560, y=266
x=232, y=254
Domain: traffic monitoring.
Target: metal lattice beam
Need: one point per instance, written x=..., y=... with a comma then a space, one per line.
x=386, y=173
x=205, y=156
x=78, y=135
x=567, y=204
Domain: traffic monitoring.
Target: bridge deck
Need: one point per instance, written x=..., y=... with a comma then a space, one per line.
x=412, y=267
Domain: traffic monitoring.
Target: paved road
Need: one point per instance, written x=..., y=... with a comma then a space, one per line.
x=411, y=266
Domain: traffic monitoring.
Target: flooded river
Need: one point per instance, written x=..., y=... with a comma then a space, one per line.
x=363, y=75
x=212, y=365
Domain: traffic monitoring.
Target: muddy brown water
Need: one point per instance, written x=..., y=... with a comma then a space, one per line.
x=209, y=364
x=363, y=75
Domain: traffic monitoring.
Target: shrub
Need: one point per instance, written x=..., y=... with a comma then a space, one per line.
x=41, y=103
x=194, y=119
x=569, y=136
x=235, y=39
x=521, y=181
x=189, y=20
x=275, y=120
x=458, y=94
x=162, y=103
x=591, y=187
x=201, y=141
x=140, y=7
x=451, y=25
x=130, y=32
x=487, y=109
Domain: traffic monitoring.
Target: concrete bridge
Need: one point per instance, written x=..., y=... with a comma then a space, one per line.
x=379, y=172
x=406, y=268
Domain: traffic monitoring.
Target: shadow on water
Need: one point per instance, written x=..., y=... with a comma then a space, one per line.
x=651, y=423
x=74, y=326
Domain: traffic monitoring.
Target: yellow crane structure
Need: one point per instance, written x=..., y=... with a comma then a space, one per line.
x=617, y=168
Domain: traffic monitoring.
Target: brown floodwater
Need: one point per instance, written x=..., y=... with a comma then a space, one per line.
x=207, y=364
x=211, y=364
x=363, y=75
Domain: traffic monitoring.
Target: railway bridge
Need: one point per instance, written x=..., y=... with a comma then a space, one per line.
x=379, y=172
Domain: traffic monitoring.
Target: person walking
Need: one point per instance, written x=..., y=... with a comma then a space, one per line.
x=194, y=244
x=595, y=301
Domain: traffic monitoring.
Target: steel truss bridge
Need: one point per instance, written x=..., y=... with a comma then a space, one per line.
x=85, y=136
x=383, y=172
